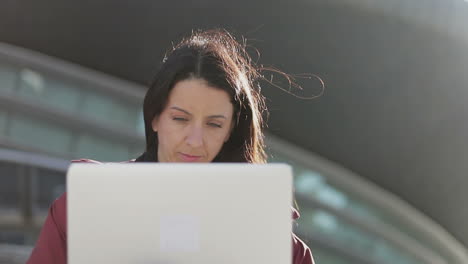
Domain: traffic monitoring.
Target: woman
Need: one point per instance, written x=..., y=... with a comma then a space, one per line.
x=203, y=106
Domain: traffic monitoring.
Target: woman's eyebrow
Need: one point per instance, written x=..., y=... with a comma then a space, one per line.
x=180, y=109
x=217, y=116
x=188, y=113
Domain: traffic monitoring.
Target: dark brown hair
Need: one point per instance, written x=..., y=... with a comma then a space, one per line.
x=216, y=57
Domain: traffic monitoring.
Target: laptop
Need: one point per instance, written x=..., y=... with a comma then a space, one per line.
x=155, y=213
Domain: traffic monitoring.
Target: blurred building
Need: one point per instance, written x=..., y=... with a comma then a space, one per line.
x=52, y=111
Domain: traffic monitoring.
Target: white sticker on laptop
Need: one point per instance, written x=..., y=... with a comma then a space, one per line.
x=179, y=233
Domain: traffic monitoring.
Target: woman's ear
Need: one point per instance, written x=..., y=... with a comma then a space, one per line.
x=155, y=123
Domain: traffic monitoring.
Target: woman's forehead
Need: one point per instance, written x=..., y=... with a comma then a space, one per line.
x=197, y=95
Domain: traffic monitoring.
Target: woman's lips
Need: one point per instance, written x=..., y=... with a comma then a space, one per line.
x=189, y=158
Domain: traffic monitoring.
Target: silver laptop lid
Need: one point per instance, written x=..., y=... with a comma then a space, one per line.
x=179, y=213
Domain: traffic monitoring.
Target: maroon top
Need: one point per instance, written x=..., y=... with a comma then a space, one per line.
x=51, y=246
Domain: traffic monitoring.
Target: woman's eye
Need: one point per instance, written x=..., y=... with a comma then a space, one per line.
x=214, y=125
x=179, y=119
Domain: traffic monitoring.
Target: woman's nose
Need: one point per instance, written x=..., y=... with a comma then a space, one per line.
x=195, y=137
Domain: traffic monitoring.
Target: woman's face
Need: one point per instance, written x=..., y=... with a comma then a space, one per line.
x=195, y=123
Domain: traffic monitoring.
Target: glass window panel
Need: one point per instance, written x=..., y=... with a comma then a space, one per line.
x=109, y=109
x=8, y=185
x=317, y=222
x=7, y=78
x=40, y=134
x=100, y=149
x=97, y=106
x=12, y=237
x=50, y=185
x=125, y=115
x=49, y=91
x=3, y=121
x=309, y=183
